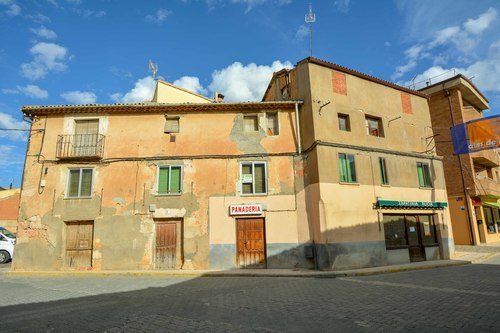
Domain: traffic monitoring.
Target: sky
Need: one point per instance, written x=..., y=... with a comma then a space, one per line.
x=97, y=51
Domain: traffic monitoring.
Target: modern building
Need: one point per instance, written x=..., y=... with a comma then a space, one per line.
x=375, y=190
x=189, y=184
x=472, y=180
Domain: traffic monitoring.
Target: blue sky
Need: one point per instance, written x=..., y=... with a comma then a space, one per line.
x=97, y=51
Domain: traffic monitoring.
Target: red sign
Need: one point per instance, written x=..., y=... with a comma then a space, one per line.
x=255, y=209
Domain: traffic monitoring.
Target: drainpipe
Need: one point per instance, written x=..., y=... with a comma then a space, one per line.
x=299, y=144
x=469, y=220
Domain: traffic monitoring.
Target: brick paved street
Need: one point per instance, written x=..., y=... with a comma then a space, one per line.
x=452, y=299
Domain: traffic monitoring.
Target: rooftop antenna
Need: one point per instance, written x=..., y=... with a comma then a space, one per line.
x=153, y=68
x=310, y=18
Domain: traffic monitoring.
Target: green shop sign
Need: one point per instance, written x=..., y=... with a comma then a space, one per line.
x=411, y=204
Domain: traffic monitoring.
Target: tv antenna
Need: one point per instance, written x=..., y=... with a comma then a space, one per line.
x=310, y=18
x=153, y=68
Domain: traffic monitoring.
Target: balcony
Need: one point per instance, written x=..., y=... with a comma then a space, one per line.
x=487, y=158
x=80, y=146
x=485, y=186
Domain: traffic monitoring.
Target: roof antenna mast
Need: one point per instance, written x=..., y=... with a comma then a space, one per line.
x=153, y=68
x=310, y=18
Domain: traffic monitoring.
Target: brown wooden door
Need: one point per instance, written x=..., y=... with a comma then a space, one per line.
x=79, y=239
x=415, y=246
x=166, y=240
x=251, y=246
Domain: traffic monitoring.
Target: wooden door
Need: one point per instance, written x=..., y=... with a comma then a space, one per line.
x=251, y=246
x=415, y=246
x=79, y=240
x=166, y=249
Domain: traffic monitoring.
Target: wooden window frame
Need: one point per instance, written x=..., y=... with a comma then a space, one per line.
x=255, y=117
x=347, y=122
x=169, y=127
x=424, y=178
x=79, y=189
x=273, y=130
x=374, y=131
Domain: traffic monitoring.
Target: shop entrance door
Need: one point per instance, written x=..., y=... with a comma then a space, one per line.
x=251, y=245
x=415, y=247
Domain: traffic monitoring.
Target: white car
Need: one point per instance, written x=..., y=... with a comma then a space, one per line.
x=7, y=242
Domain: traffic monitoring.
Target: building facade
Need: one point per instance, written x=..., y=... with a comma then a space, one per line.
x=375, y=187
x=9, y=205
x=473, y=180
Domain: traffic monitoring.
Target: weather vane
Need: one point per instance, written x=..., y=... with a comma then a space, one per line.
x=153, y=68
x=310, y=18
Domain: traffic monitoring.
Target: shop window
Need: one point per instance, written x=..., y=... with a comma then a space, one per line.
x=344, y=123
x=169, y=179
x=253, y=178
x=374, y=126
x=428, y=229
x=490, y=222
x=347, y=168
x=171, y=124
x=251, y=123
x=384, y=178
x=424, y=175
x=395, y=231
x=272, y=123
x=80, y=183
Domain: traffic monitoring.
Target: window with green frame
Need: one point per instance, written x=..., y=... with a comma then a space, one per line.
x=253, y=178
x=424, y=175
x=80, y=183
x=170, y=179
x=384, y=179
x=347, y=168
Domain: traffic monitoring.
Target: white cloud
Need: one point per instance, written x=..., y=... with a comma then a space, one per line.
x=79, y=97
x=46, y=57
x=33, y=91
x=158, y=17
x=480, y=24
x=302, y=33
x=9, y=122
x=342, y=5
x=142, y=92
x=191, y=83
x=13, y=8
x=44, y=33
x=244, y=82
x=457, y=41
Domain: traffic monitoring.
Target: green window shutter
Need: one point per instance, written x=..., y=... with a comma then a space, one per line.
x=351, y=169
x=260, y=178
x=343, y=167
x=420, y=172
x=86, y=183
x=175, y=179
x=74, y=181
x=163, y=181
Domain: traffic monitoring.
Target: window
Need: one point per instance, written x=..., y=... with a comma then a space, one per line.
x=86, y=137
x=170, y=179
x=424, y=176
x=395, y=231
x=490, y=223
x=347, y=168
x=80, y=183
x=429, y=236
x=253, y=178
x=374, y=126
x=272, y=123
x=251, y=123
x=344, y=124
x=171, y=124
x=384, y=179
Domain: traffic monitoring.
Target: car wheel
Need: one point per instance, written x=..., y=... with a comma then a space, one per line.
x=4, y=257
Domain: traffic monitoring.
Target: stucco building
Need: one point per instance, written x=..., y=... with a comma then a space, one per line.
x=375, y=187
x=472, y=179
x=334, y=169
x=9, y=205
x=188, y=184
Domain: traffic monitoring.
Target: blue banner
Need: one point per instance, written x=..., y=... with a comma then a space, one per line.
x=476, y=135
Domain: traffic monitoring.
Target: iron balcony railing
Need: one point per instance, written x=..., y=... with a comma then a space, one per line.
x=80, y=146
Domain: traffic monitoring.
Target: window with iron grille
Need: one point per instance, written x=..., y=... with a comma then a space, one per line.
x=80, y=182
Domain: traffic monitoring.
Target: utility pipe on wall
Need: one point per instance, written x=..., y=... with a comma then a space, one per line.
x=299, y=144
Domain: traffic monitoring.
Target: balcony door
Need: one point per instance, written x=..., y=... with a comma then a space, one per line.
x=86, y=136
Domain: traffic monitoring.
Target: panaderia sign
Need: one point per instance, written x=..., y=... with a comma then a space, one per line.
x=252, y=209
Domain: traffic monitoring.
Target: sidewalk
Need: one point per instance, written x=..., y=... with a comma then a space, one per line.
x=463, y=255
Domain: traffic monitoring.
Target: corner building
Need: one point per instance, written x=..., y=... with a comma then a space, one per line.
x=375, y=189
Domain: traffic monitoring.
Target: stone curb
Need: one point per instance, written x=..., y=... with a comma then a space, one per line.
x=243, y=273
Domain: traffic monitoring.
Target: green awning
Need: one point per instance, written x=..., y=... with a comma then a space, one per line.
x=492, y=204
x=411, y=204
